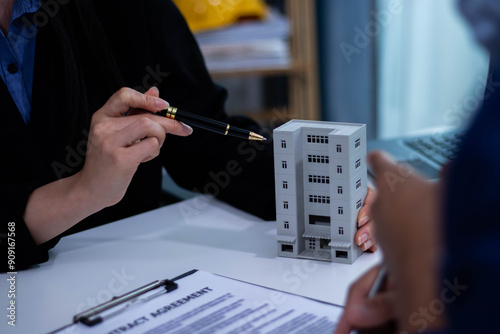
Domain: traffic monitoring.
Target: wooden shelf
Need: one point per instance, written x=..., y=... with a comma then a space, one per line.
x=303, y=73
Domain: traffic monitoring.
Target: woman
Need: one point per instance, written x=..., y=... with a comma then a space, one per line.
x=72, y=160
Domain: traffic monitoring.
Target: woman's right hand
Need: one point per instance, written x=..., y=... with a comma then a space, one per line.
x=117, y=145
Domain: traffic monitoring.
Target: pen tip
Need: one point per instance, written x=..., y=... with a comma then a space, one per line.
x=255, y=136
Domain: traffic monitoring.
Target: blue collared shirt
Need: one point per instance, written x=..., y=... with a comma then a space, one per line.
x=17, y=55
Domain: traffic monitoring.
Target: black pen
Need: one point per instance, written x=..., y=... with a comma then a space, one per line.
x=207, y=123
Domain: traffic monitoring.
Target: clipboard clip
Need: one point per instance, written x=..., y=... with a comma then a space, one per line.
x=94, y=315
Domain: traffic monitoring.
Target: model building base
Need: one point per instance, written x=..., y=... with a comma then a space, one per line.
x=321, y=183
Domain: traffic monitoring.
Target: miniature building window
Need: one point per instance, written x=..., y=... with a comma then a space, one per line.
x=317, y=139
x=286, y=225
x=284, y=164
x=319, y=220
x=358, y=204
x=318, y=159
x=319, y=199
x=339, y=169
x=357, y=143
x=287, y=248
x=358, y=184
x=285, y=184
x=341, y=230
x=340, y=191
x=339, y=148
x=285, y=205
x=319, y=179
x=358, y=164
x=341, y=254
x=283, y=144
x=340, y=210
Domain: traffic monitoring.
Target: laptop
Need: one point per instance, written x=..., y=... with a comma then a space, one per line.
x=426, y=153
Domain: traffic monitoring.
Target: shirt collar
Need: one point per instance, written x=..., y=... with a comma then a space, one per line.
x=22, y=7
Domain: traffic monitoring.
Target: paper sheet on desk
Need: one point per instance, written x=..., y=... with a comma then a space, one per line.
x=207, y=303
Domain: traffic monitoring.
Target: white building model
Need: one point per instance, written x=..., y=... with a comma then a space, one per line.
x=320, y=176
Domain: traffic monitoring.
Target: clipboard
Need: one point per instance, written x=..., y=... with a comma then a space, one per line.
x=198, y=302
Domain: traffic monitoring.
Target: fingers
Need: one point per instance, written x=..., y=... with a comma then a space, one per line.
x=357, y=293
x=169, y=125
x=365, y=237
x=363, y=312
x=360, y=289
x=142, y=139
x=145, y=150
x=364, y=213
x=140, y=129
x=375, y=311
x=127, y=98
x=153, y=91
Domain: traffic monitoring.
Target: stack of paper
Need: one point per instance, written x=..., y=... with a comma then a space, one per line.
x=248, y=45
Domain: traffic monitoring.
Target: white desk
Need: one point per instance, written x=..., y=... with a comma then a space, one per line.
x=87, y=267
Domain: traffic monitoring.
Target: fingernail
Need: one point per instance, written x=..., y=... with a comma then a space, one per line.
x=368, y=244
x=362, y=238
x=363, y=220
x=155, y=88
x=161, y=104
x=187, y=129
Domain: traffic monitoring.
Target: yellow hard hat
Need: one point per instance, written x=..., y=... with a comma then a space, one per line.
x=211, y=14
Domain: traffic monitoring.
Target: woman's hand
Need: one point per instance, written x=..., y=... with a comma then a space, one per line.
x=365, y=236
x=118, y=145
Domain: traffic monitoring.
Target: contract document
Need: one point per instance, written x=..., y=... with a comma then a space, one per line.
x=208, y=303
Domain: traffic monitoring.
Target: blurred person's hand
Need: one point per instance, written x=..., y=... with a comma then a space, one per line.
x=407, y=212
x=363, y=312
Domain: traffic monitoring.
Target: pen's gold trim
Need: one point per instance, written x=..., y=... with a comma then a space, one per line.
x=171, y=111
x=227, y=130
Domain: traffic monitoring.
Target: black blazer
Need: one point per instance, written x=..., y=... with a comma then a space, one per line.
x=153, y=46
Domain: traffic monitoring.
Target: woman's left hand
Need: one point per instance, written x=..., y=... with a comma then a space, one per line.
x=365, y=236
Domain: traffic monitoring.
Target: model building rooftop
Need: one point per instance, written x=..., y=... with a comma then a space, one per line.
x=341, y=129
